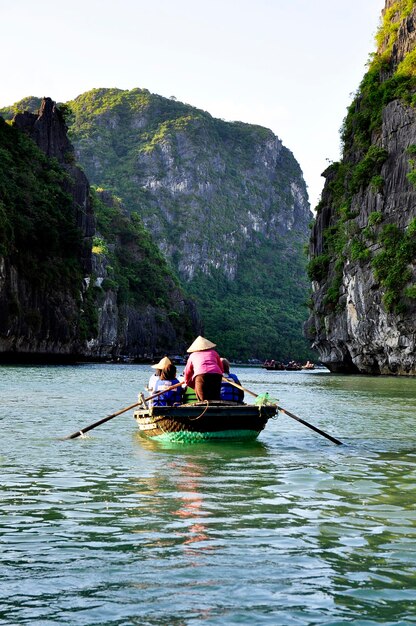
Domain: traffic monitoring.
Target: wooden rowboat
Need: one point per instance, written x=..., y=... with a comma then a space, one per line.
x=204, y=421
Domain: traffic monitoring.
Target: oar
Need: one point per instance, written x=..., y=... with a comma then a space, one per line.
x=292, y=415
x=109, y=417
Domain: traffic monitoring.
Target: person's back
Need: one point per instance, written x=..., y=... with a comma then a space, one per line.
x=167, y=379
x=153, y=380
x=156, y=375
x=203, y=370
x=230, y=393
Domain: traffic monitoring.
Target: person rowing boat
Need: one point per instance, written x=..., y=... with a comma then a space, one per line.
x=204, y=369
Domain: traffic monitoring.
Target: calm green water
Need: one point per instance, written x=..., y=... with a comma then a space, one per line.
x=289, y=530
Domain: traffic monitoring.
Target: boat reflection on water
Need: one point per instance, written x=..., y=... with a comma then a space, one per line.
x=205, y=450
x=187, y=489
x=191, y=508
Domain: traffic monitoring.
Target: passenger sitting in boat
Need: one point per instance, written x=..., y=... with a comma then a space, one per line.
x=229, y=393
x=203, y=371
x=155, y=376
x=167, y=379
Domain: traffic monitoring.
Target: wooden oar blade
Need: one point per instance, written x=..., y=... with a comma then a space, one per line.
x=311, y=426
x=292, y=415
x=80, y=432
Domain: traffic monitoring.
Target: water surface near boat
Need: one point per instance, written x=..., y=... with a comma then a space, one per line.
x=289, y=529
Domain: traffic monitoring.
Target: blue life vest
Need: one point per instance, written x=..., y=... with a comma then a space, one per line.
x=229, y=393
x=174, y=396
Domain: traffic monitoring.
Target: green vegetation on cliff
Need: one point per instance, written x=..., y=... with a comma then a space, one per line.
x=383, y=82
x=225, y=202
x=392, y=264
x=386, y=80
x=38, y=231
x=231, y=224
x=136, y=264
x=260, y=312
x=30, y=103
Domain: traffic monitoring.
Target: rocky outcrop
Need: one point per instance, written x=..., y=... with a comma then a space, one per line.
x=363, y=243
x=40, y=311
x=136, y=331
x=203, y=187
x=48, y=129
x=225, y=202
x=71, y=315
x=188, y=176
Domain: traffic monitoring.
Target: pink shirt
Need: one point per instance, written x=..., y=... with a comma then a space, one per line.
x=202, y=362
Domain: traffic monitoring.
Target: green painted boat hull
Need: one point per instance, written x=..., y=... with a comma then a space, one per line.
x=199, y=422
x=196, y=437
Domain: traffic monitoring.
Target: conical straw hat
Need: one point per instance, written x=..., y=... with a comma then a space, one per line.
x=201, y=343
x=162, y=363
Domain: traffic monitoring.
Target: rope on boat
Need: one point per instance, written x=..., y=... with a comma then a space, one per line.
x=193, y=419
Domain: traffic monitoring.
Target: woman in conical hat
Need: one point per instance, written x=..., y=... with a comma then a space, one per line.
x=167, y=378
x=203, y=371
x=201, y=343
x=163, y=363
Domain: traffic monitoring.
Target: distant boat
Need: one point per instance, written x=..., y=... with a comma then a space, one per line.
x=277, y=365
x=308, y=366
x=273, y=365
x=293, y=366
x=179, y=360
x=204, y=421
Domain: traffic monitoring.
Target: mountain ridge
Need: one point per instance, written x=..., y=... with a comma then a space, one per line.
x=60, y=299
x=209, y=191
x=225, y=202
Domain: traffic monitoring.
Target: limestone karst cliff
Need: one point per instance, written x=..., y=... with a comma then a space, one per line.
x=225, y=202
x=59, y=296
x=363, y=243
x=45, y=225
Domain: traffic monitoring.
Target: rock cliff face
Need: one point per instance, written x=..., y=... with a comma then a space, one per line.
x=49, y=132
x=54, y=303
x=196, y=180
x=363, y=244
x=225, y=202
x=46, y=227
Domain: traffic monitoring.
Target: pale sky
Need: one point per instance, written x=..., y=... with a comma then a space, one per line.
x=289, y=65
